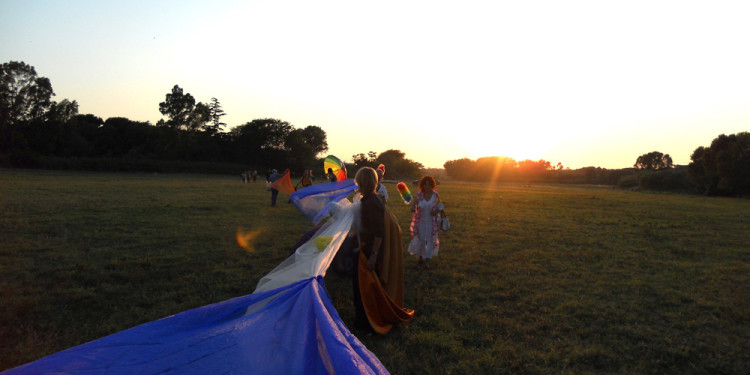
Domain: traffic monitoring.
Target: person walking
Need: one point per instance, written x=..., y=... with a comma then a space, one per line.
x=378, y=277
x=427, y=209
x=274, y=192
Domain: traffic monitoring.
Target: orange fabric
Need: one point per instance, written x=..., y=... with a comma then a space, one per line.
x=284, y=184
x=391, y=270
x=383, y=292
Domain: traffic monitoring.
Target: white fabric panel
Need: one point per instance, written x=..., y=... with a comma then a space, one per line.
x=313, y=258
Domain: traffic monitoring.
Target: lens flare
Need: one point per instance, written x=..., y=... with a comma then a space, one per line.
x=246, y=238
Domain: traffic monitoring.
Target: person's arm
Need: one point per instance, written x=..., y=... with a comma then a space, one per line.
x=438, y=209
x=373, y=259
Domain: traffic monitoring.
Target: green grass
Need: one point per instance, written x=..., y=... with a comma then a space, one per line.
x=531, y=279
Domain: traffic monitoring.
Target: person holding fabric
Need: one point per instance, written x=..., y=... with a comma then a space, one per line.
x=274, y=192
x=378, y=280
x=427, y=209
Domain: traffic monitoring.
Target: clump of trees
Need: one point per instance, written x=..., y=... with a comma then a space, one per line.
x=36, y=131
x=722, y=168
x=501, y=168
x=397, y=165
x=653, y=161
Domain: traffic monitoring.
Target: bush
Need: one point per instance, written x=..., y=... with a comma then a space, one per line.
x=672, y=179
x=628, y=182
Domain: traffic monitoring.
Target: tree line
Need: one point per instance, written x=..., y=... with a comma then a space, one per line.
x=722, y=169
x=36, y=131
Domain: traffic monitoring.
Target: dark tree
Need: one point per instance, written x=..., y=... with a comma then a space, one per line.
x=63, y=111
x=178, y=107
x=461, y=169
x=653, y=161
x=215, y=112
x=23, y=96
x=397, y=165
x=724, y=167
x=199, y=117
x=304, y=145
x=361, y=160
x=261, y=142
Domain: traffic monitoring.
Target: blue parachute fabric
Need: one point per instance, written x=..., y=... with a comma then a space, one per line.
x=293, y=329
x=313, y=201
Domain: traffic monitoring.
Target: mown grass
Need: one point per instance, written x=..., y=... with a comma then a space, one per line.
x=531, y=279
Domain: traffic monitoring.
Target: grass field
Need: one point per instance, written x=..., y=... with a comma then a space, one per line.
x=531, y=279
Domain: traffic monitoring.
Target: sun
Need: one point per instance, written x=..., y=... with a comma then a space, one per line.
x=513, y=144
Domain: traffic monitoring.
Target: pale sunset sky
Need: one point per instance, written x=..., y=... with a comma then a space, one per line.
x=583, y=83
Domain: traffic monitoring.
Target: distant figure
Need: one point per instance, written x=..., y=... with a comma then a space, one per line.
x=427, y=208
x=243, y=175
x=254, y=175
x=274, y=193
x=330, y=175
x=305, y=180
x=380, y=189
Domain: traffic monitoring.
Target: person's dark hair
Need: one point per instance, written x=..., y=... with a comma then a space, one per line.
x=424, y=180
x=366, y=178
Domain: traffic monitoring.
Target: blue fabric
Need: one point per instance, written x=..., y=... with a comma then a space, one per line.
x=290, y=330
x=313, y=200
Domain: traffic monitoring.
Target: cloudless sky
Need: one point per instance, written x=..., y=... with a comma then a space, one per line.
x=584, y=83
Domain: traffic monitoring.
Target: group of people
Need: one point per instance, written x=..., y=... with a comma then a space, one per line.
x=377, y=269
x=248, y=176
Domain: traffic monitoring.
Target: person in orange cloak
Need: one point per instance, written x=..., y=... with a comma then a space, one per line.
x=378, y=282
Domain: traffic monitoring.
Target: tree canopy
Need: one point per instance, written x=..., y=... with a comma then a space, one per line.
x=499, y=168
x=653, y=161
x=724, y=167
x=395, y=162
x=23, y=95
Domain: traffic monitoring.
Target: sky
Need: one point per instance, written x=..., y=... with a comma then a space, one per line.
x=582, y=83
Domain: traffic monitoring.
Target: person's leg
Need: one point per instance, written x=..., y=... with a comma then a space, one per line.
x=360, y=316
x=274, y=195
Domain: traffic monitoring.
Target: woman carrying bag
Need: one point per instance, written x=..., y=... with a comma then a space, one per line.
x=425, y=222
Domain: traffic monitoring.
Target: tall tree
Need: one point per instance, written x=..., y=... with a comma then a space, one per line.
x=198, y=117
x=397, y=165
x=215, y=112
x=178, y=107
x=23, y=95
x=261, y=141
